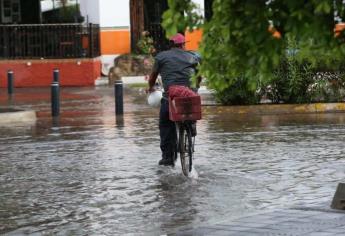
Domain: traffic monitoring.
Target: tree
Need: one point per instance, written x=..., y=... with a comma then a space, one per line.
x=238, y=40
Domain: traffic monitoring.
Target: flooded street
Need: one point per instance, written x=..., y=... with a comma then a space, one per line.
x=91, y=174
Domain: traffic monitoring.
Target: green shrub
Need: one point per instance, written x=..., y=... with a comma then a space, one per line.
x=299, y=78
x=291, y=79
x=327, y=87
x=240, y=92
x=145, y=44
x=290, y=82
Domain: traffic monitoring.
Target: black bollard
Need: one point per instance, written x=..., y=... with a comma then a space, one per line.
x=56, y=122
x=120, y=122
x=10, y=82
x=56, y=75
x=118, y=89
x=55, y=99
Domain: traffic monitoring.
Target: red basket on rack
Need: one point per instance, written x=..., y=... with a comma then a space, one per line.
x=185, y=108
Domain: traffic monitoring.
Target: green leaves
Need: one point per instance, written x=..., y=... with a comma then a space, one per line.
x=237, y=41
x=323, y=7
x=181, y=16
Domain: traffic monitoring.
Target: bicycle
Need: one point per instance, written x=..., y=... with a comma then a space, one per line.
x=184, y=111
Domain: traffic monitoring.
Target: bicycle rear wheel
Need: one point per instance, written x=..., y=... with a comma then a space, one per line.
x=186, y=149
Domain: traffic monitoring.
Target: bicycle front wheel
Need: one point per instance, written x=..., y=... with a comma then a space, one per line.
x=186, y=149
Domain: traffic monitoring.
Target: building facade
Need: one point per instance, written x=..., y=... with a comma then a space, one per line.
x=122, y=22
x=80, y=37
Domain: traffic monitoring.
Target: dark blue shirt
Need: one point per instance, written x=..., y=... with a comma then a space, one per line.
x=176, y=66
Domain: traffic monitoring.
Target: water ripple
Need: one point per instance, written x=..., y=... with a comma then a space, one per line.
x=92, y=174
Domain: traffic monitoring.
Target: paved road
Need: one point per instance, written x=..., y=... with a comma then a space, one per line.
x=89, y=173
x=306, y=221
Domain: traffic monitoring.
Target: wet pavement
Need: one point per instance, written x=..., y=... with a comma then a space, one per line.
x=313, y=221
x=88, y=173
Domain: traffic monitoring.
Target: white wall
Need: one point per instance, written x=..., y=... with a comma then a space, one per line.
x=114, y=13
x=90, y=10
x=201, y=6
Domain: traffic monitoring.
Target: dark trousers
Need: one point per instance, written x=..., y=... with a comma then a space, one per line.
x=167, y=131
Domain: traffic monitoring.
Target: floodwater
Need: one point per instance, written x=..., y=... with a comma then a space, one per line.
x=91, y=174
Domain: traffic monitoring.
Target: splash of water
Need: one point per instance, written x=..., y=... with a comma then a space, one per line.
x=193, y=174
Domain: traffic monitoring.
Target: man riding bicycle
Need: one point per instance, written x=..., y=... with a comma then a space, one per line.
x=176, y=67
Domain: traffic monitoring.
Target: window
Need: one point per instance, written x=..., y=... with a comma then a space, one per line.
x=10, y=11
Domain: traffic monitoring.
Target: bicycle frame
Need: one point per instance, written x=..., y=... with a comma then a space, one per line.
x=184, y=146
x=185, y=111
x=187, y=125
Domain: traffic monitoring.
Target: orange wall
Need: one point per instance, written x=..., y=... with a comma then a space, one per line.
x=338, y=28
x=193, y=39
x=119, y=41
x=115, y=42
x=40, y=72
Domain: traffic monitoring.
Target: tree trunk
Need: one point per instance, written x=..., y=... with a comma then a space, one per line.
x=137, y=21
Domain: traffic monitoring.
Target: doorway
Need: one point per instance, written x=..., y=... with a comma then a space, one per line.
x=146, y=15
x=153, y=11
x=10, y=11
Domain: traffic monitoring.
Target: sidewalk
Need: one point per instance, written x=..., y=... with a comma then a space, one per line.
x=10, y=116
x=306, y=221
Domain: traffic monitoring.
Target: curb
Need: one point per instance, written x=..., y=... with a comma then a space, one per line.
x=274, y=109
x=10, y=116
x=125, y=79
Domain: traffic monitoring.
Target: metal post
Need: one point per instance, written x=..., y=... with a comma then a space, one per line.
x=10, y=82
x=120, y=122
x=91, y=40
x=56, y=121
x=56, y=75
x=55, y=98
x=118, y=89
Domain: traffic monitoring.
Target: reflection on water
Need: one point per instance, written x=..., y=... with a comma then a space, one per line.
x=91, y=173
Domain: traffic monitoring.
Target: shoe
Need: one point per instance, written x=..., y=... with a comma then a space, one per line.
x=166, y=162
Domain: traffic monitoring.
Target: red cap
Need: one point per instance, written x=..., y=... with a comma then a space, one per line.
x=178, y=39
